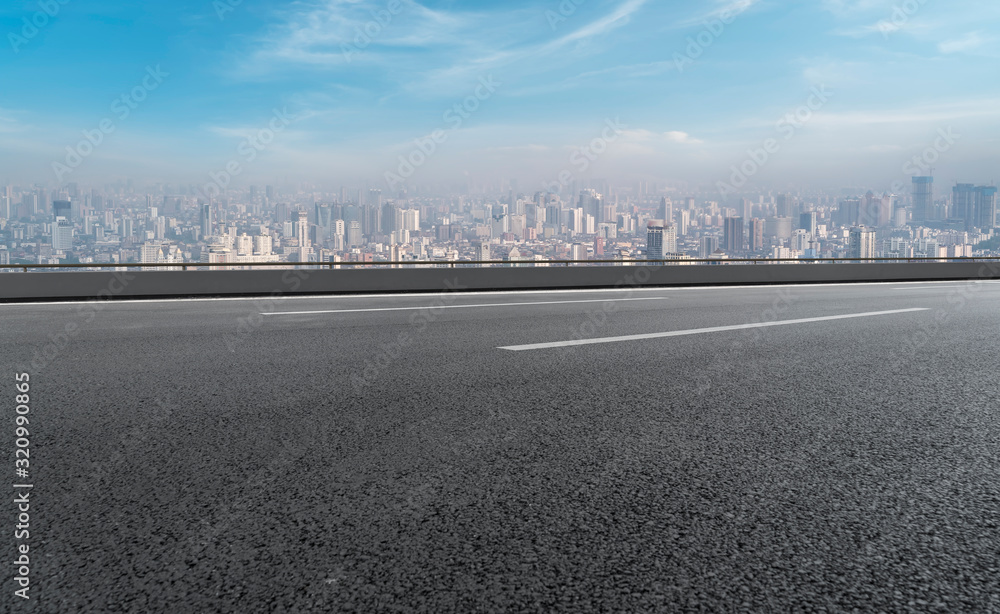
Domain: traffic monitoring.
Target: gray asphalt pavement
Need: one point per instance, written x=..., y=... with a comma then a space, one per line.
x=384, y=454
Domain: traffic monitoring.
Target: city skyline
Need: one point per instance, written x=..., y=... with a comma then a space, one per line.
x=800, y=94
x=174, y=224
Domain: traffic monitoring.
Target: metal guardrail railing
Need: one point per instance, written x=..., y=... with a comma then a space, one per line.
x=480, y=263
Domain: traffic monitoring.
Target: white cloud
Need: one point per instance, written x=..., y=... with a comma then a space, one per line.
x=969, y=42
x=335, y=33
x=615, y=19
x=681, y=137
x=728, y=9
x=9, y=123
x=641, y=135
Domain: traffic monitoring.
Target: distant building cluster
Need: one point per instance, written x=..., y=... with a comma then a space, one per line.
x=120, y=224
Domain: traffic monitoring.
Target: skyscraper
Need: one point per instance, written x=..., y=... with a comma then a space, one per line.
x=862, y=243
x=807, y=222
x=786, y=205
x=849, y=212
x=756, y=235
x=709, y=245
x=207, y=225
x=986, y=207
x=923, y=198
x=300, y=229
x=354, y=237
x=666, y=211
x=62, y=235
x=733, y=235
x=62, y=209
x=660, y=240
x=963, y=204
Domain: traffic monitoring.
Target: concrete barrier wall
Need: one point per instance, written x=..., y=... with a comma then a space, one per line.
x=84, y=285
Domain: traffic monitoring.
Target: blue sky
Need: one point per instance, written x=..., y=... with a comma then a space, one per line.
x=695, y=85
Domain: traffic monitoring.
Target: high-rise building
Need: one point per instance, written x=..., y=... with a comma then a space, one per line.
x=389, y=215
x=411, y=220
x=873, y=210
x=756, y=235
x=666, y=212
x=660, y=240
x=862, y=243
x=733, y=241
x=848, y=212
x=207, y=224
x=787, y=205
x=354, y=236
x=324, y=218
x=709, y=245
x=683, y=222
x=62, y=235
x=300, y=228
x=62, y=209
x=778, y=227
x=963, y=204
x=150, y=253
x=923, y=198
x=986, y=207
x=807, y=222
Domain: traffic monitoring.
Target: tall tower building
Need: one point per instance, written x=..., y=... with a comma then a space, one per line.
x=389, y=224
x=786, y=205
x=986, y=207
x=207, y=224
x=62, y=235
x=660, y=240
x=709, y=245
x=354, y=237
x=923, y=198
x=807, y=222
x=756, y=235
x=684, y=222
x=862, y=243
x=963, y=204
x=300, y=227
x=62, y=209
x=666, y=212
x=732, y=240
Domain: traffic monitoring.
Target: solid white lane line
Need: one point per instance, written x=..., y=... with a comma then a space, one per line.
x=699, y=331
x=431, y=307
x=950, y=285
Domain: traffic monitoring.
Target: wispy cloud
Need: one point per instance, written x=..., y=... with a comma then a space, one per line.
x=617, y=18
x=9, y=123
x=615, y=73
x=460, y=74
x=334, y=33
x=970, y=42
x=923, y=114
x=727, y=9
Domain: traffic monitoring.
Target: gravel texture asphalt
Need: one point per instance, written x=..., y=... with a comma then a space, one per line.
x=197, y=456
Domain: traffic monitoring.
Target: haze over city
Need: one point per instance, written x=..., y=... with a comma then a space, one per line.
x=853, y=93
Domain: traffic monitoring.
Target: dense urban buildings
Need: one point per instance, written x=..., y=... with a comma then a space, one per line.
x=122, y=223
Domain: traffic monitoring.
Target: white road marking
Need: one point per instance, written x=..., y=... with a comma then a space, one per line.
x=699, y=331
x=944, y=285
x=432, y=307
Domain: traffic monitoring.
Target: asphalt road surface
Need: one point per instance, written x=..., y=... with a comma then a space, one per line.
x=832, y=448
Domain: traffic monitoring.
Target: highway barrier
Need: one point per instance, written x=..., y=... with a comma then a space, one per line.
x=125, y=282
